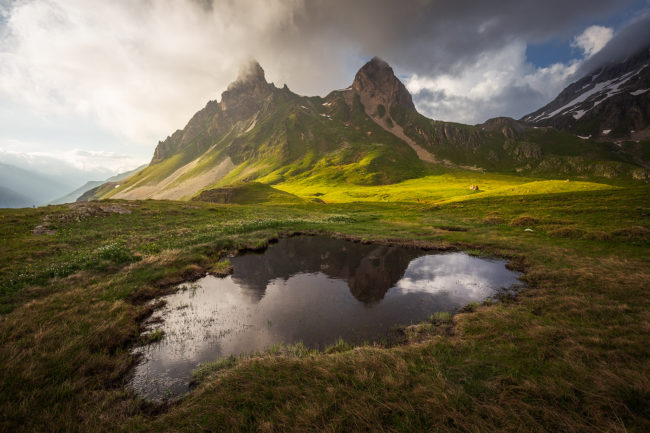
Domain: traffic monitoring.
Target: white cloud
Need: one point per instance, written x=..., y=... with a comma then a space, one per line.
x=593, y=39
x=499, y=82
x=140, y=69
x=72, y=167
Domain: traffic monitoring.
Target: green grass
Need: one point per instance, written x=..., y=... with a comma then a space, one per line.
x=441, y=188
x=568, y=354
x=247, y=193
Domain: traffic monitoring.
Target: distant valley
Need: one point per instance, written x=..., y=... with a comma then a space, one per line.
x=20, y=187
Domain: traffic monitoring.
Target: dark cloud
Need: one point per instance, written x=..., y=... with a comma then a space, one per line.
x=625, y=43
x=431, y=38
x=426, y=36
x=511, y=100
x=430, y=96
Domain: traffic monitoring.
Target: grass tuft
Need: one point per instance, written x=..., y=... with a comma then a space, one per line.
x=222, y=268
x=201, y=373
x=567, y=232
x=440, y=317
x=634, y=233
x=470, y=308
x=151, y=337
x=524, y=220
x=339, y=346
x=492, y=220
x=597, y=235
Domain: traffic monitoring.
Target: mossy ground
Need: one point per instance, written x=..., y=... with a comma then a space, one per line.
x=570, y=353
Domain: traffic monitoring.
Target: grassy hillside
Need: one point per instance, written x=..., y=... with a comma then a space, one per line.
x=436, y=188
x=568, y=354
x=274, y=136
x=506, y=145
x=247, y=193
x=290, y=137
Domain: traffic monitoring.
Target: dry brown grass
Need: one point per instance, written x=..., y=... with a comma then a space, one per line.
x=567, y=232
x=634, y=233
x=524, y=220
x=597, y=235
x=493, y=220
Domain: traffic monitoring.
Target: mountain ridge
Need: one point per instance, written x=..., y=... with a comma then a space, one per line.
x=26, y=188
x=92, y=184
x=367, y=134
x=610, y=102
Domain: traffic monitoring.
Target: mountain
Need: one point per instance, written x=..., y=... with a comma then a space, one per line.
x=92, y=184
x=11, y=199
x=25, y=188
x=369, y=270
x=610, y=102
x=125, y=174
x=74, y=195
x=367, y=134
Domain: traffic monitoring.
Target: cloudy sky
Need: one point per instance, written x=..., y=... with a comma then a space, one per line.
x=88, y=87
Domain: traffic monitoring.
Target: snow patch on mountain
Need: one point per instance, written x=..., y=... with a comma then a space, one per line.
x=597, y=94
x=638, y=92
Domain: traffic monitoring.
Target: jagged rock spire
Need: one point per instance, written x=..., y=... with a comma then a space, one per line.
x=250, y=72
x=376, y=83
x=250, y=87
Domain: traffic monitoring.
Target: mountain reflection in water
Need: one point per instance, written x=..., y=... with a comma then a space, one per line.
x=308, y=289
x=369, y=270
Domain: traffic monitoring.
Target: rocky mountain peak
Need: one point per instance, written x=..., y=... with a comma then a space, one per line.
x=242, y=99
x=250, y=87
x=244, y=95
x=250, y=72
x=377, y=84
x=610, y=102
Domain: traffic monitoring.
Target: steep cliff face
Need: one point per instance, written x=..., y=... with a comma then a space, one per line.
x=239, y=102
x=377, y=85
x=243, y=97
x=611, y=102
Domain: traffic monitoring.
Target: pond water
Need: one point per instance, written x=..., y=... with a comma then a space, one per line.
x=309, y=289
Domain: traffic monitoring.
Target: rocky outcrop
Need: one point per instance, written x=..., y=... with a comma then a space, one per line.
x=240, y=101
x=509, y=127
x=77, y=212
x=243, y=96
x=379, y=88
